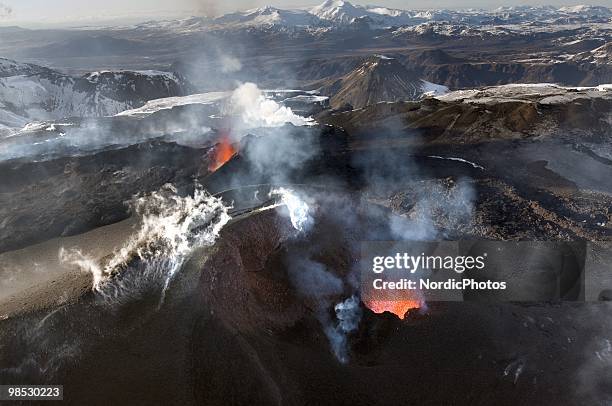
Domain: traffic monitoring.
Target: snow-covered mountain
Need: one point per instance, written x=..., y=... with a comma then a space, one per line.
x=33, y=93
x=270, y=16
x=12, y=68
x=341, y=13
x=585, y=10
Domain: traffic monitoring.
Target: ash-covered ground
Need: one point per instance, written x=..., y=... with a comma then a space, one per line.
x=170, y=239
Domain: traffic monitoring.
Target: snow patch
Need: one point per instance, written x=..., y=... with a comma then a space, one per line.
x=168, y=103
x=452, y=158
x=432, y=89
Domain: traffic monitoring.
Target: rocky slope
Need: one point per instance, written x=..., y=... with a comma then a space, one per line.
x=235, y=319
x=502, y=163
x=506, y=112
x=377, y=79
x=516, y=140
x=507, y=45
x=533, y=152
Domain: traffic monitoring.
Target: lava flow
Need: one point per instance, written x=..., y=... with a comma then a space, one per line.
x=397, y=307
x=223, y=152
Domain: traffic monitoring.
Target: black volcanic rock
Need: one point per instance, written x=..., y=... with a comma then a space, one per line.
x=301, y=155
x=67, y=196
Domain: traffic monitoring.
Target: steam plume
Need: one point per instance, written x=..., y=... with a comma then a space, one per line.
x=299, y=211
x=230, y=64
x=254, y=110
x=171, y=226
x=348, y=315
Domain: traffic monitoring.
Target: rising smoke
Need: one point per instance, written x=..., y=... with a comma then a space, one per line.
x=299, y=210
x=314, y=281
x=348, y=315
x=171, y=227
x=254, y=110
x=230, y=64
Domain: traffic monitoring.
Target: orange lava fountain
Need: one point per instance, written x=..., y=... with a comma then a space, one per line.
x=223, y=152
x=397, y=307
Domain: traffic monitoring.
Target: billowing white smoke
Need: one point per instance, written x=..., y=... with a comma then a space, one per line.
x=299, y=210
x=254, y=110
x=171, y=227
x=230, y=64
x=313, y=280
x=348, y=315
x=84, y=262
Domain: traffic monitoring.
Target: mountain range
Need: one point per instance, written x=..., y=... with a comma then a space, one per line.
x=342, y=14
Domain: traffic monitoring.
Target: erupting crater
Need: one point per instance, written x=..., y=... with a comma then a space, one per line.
x=397, y=307
x=267, y=257
x=222, y=152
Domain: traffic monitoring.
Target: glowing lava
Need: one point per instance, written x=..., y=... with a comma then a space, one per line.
x=223, y=152
x=397, y=307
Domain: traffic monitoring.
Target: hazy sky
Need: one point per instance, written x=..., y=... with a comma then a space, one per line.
x=48, y=11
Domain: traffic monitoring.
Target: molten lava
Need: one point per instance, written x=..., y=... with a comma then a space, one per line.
x=223, y=152
x=397, y=307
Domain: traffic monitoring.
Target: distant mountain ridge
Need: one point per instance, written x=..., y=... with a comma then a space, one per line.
x=378, y=79
x=340, y=13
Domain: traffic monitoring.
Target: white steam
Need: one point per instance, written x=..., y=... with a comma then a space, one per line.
x=254, y=110
x=230, y=64
x=171, y=227
x=299, y=210
x=348, y=314
x=313, y=280
x=75, y=257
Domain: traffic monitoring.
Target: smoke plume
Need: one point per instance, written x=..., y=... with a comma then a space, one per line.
x=171, y=227
x=254, y=110
x=299, y=211
x=348, y=315
x=230, y=64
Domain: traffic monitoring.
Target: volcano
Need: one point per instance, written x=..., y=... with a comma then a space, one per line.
x=240, y=321
x=232, y=234
x=378, y=79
